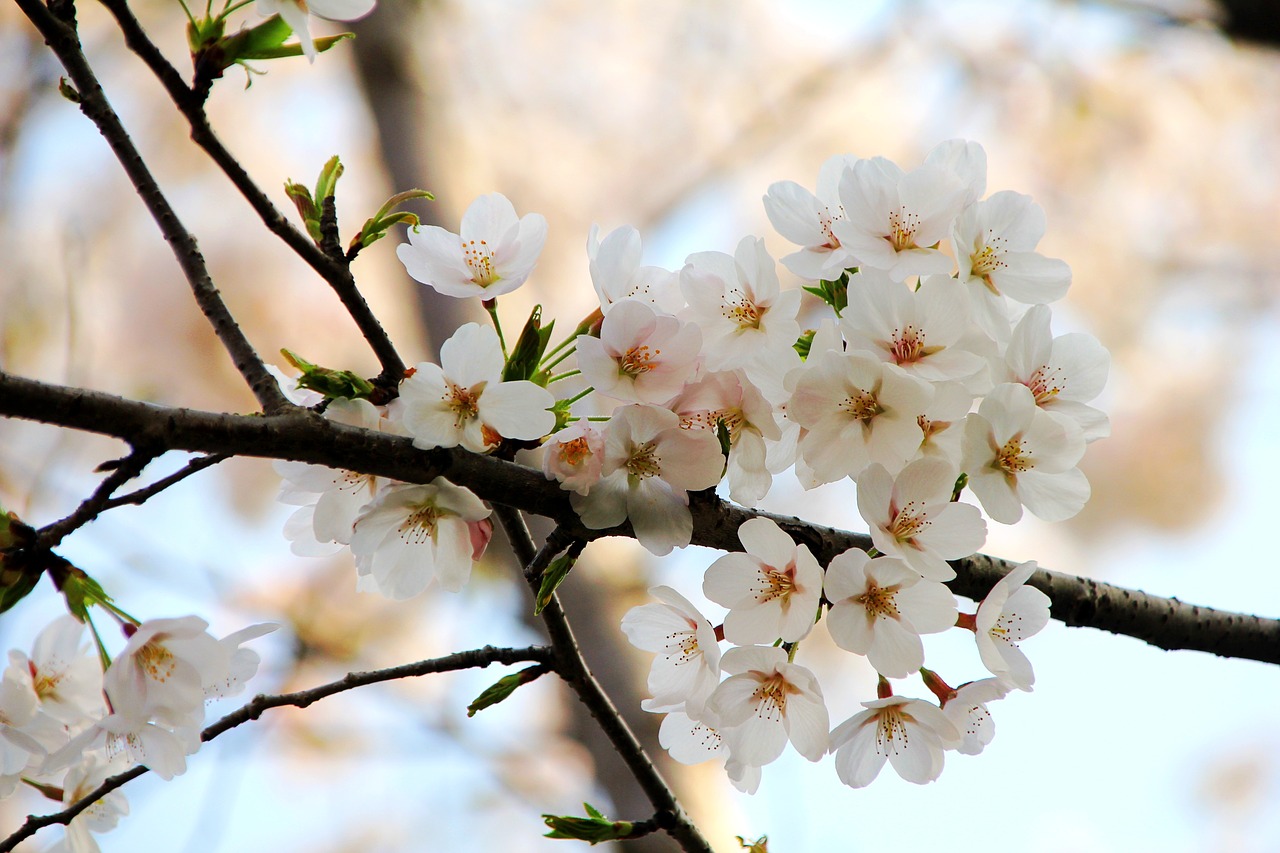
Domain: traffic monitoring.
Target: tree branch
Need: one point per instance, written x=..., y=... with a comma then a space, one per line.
x=305, y=436
x=63, y=41
x=476, y=658
x=337, y=273
x=124, y=470
x=573, y=669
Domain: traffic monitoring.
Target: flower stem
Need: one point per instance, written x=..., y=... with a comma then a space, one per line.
x=491, y=305
x=565, y=375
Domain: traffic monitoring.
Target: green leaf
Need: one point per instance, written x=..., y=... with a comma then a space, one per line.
x=295, y=49
x=504, y=687
x=726, y=440
x=327, y=183
x=376, y=226
x=327, y=381
x=81, y=592
x=593, y=829
x=804, y=343
x=527, y=354
x=554, y=575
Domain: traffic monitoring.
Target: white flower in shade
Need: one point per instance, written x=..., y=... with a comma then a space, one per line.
x=772, y=591
x=805, y=219
x=650, y=465
x=102, y=816
x=913, y=517
x=732, y=400
x=688, y=740
x=893, y=219
x=745, y=318
x=616, y=272
x=967, y=710
x=910, y=733
x=641, y=356
x=880, y=607
x=574, y=456
x=330, y=499
x=744, y=777
x=161, y=673
x=918, y=330
x=965, y=161
x=296, y=13
x=1015, y=454
x=413, y=534
x=66, y=678
x=1063, y=373
x=687, y=667
x=856, y=410
x=494, y=253
x=464, y=400
x=765, y=702
x=995, y=244
x=1011, y=612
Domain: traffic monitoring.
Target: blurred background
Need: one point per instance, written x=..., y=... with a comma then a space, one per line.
x=1149, y=133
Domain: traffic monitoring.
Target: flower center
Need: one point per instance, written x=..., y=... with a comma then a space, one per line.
x=745, y=313
x=891, y=733
x=777, y=583
x=1046, y=383
x=771, y=696
x=909, y=522
x=908, y=345
x=878, y=601
x=637, y=360
x=465, y=403
x=573, y=452
x=862, y=406
x=902, y=229
x=644, y=461
x=824, y=220
x=156, y=661
x=420, y=525
x=479, y=259
x=1012, y=460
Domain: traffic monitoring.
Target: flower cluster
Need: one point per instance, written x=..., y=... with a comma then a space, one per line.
x=935, y=372
x=66, y=724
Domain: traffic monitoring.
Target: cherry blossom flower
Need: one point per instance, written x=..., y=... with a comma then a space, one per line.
x=913, y=517
x=995, y=244
x=295, y=14
x=330, y=499
x=856, y=411
x=772, y=591
x=641, y=356
x=1063, y=373
x=910, y=733
x=1015, y=454
x=893, y=219
x=918, y=330
x=880, y=607
x=942, y=424
x=243, y=661
x=729, y=398
x=493, y=254
x=66, y=679
x=616, y=272
x=967, y=710
x=964, y=160
x=687, y=667
x=574, y=457
x=1011, y=612
x=464, y=400
x=689, y=741
x=805, y=219
x=746, y=320
x=102, y=816
x=161, y=672
x=650, y=466
x=413, y=534
x=765, y=702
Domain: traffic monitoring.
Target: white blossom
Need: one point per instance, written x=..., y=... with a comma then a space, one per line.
x=1011, y=612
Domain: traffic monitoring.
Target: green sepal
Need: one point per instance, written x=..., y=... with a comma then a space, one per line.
x=760, y=845
x=17, y=576
x=561, y=407
x=552, y=576
x=322, y=44
x=327, y=381
x=527, y=354
x=722, y=434
x=80, y=591
x=804, y=343
x=66, y=90
x=264, y=41
x=961, y=482
x=504, y=687
x=834, y=293
x=311, y=205
x=376, y=226
x=592, y=829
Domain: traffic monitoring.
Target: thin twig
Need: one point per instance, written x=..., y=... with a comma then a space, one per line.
x=475, y=658
x=98, y=502
x=64, y=42
x=334, y=270
x=573, y=669
x=146, y=492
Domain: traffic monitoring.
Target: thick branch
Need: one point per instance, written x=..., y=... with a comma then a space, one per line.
x=335, y=272
x=476, y=658
x=305, y=436
x=63, y=41
x=573, y=669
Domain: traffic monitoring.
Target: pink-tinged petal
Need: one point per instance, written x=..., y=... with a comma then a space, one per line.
x=918, y=760
x=955, y=530
x=1009, y=408
x=472, y=355
x=760, y=624
x=660, y=518
x=875, y=491
x=895, y=651
x=690, y=460
x=723, y=580
x=847, y=575
x=488, y=218
x=850, y=627
x=807, y=725
x=689, y=742
x=1054, y=497
x=605, y=505
x=858, y=761
x=747, y=658
x=996, y=495
x=929, y=606
x=764, y=539
x=757, y=741
x=926, y=482
x=795, y=213
x=1030, y=606
x=434, y=257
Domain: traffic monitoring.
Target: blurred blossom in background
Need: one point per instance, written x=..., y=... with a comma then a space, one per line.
x=1150, y=140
